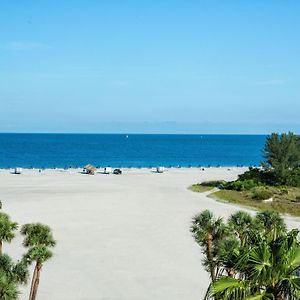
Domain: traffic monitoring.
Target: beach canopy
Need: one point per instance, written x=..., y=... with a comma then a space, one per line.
x=89, y=169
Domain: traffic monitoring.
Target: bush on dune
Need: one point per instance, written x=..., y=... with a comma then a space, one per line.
x=241, y=185
x=213, y=183
x=262, y=193
x=293, y=179
x=258, y=175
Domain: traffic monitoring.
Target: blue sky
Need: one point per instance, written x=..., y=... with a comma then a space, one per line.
x=150, y=66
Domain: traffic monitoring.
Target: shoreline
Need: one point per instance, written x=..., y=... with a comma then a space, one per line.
x=36, y=172
x=133, y=168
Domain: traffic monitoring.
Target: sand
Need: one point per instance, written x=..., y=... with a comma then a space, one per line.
x=120, y=237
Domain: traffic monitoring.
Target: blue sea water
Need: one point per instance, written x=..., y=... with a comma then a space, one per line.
x=136, y=150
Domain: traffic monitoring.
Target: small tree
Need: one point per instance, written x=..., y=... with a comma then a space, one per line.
x=7, y=228
x=207, y=231
x=38, y=238
x=282, y=154
x=271, y=224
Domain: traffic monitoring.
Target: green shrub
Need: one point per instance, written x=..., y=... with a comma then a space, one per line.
x=213, y=183
x=261, y=193
x=234, y=185
x=241, y=185
x=293, y=178
x=252, y=173
x=265, y=176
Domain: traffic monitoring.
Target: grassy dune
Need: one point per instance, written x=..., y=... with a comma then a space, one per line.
x=283, y=203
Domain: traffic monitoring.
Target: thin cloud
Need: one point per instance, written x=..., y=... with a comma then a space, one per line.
x=17, y=45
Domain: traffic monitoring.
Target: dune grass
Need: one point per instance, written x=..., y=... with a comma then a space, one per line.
x=285, y=199
x=282, y=203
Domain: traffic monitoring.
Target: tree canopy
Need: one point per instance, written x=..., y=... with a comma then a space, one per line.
x=282, y=154
x=257, y=258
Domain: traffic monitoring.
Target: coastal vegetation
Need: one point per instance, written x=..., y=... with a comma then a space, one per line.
x=275, y=185
x=206, y=186
x=199, y=188
x=38, y=239
x=249, y=257
x=7, y=229
x=286, y=201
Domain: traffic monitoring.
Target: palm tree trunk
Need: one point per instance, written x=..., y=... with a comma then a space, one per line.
x=37, y=281
x=206, y=297
x=33, y=281
x=210, y=258
x=278, y=296
x=231, y=272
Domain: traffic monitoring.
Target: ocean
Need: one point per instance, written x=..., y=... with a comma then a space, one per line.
x=133, y=150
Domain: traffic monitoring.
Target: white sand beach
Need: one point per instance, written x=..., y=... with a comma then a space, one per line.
x=119, y=237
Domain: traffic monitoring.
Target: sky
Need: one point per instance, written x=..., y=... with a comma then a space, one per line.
x=150, y=66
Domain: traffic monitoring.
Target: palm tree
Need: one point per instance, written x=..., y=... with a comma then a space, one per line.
x=38, y=238
x=267, y=271
x=8, y=289
x=242, y=225
x=228, y=249
x=207, y=231
x=272, y=225
x=11, y=275
x=7, y=228
x=252, y=258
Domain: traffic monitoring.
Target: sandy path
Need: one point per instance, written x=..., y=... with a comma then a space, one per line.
x=119, y=237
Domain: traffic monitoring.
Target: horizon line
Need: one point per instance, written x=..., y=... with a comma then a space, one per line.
x=133, y=133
